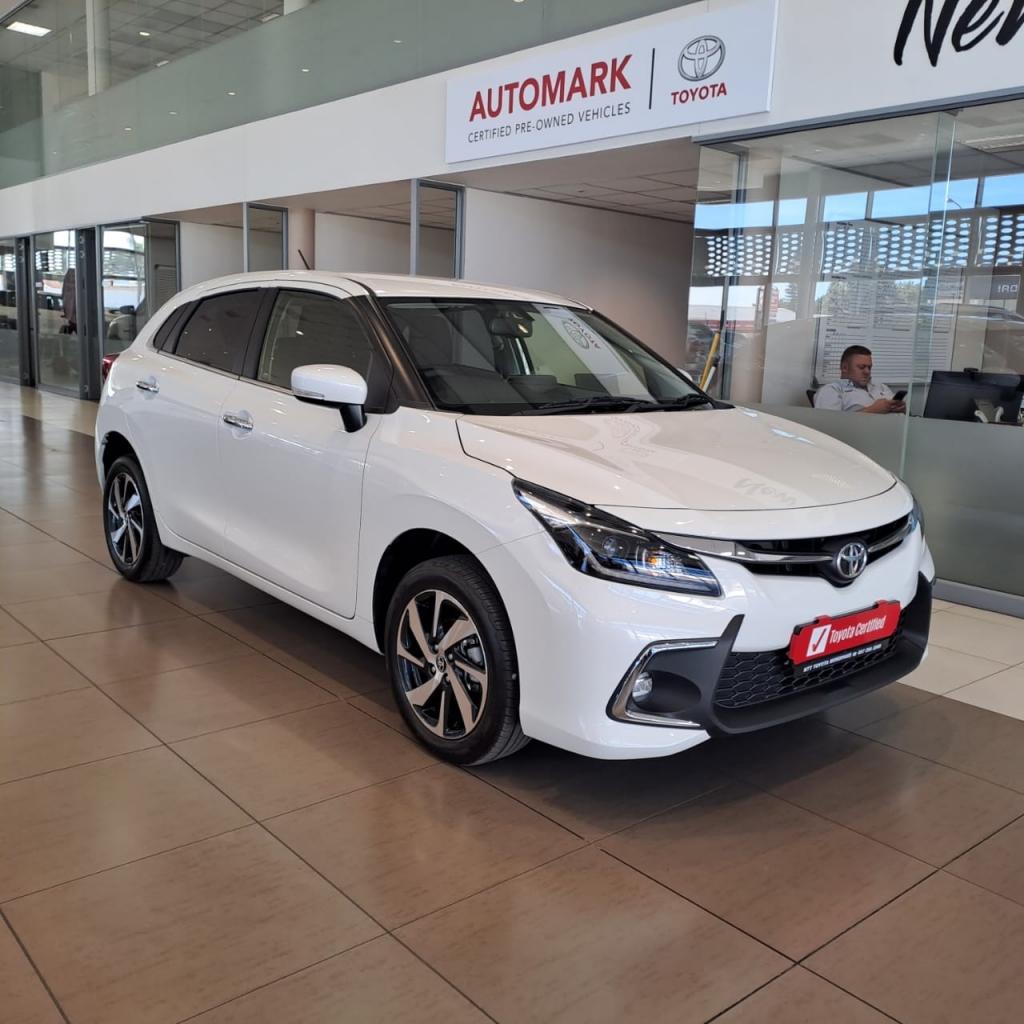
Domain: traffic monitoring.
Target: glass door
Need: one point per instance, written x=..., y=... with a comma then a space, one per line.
x=55, y=310
x=436, y=226
x=10, y=361
x=266, y=237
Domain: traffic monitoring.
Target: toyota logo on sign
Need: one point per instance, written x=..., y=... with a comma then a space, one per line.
x=852, y=560
x=702, y=58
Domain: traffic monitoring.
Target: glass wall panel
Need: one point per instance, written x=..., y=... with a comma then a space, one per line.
x=84, y=81
x=438, y=252
x=10, y=363
x=139, y=274
x=904, y=237
x=266, y=238
x=55, y=312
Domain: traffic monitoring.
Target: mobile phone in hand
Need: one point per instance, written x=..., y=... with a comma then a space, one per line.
x=899, y=396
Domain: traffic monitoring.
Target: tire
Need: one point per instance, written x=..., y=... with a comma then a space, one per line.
x=466, y=704
x=129, y=526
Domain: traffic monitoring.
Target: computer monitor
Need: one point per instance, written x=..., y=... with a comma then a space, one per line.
x=955, y=395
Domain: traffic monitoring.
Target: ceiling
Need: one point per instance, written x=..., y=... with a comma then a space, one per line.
x=175, y=27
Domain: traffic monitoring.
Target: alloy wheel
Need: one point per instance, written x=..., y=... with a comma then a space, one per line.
x=442, y=664
x=125, y=519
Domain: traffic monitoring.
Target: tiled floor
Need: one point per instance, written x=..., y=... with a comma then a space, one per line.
x=210, y=811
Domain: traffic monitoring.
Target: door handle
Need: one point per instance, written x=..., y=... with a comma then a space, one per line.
x=236, y=421
x=148, y=385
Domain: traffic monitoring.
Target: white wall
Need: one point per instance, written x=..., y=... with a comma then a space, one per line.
x=635, y=270
x=207, y=251
x=378, y=246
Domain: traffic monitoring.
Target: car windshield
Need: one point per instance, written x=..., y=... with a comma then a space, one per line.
x=499, y=358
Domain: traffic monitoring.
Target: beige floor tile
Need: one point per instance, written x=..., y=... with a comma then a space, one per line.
x=33, y=670
x=967, y=738
x=32, y=489
x=380, y=981
x=197, y=569
x=945, y=670
x=167, y=937
x=1002, y=693
x=56, y=732
x=38, y=556
x=23, y=996
x=126, y=604
x=990, y=640
x=903, y=801
x=275, y=628
x=594, y=798
x=206, y=698
x=15, y=533
x=160, y=647
x=380, y=704
x=407, y=848
x=290, y=762
x=938, y=955
x=1011, y=621
x=997, y=864
x=57, y=581
x=890, y=700
x=589, y=939
x=72, y=823
x=787, y=877
x=212, y=594
x=78, y=532
x=70, y=506
x=799, y=997
x=12, y=632
x=340, y=665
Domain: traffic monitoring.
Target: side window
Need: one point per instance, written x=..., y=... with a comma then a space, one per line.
x=306, y=328
x=218, y=331
x=167, y=328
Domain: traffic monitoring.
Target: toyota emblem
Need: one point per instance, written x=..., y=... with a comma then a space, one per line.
x=702, y=58
x=852, y=560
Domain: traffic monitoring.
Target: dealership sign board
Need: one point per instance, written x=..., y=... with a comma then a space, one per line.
x=698, y=67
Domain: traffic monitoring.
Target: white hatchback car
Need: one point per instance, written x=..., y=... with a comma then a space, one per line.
x=547, y=530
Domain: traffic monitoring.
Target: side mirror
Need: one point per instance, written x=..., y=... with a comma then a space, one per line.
x=337, y=386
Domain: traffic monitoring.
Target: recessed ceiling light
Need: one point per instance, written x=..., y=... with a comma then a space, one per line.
x=231, y=94
x=161, y=63
x=145, y=35
x=28, y=30
x=269, y=17
x=398, y=40
x=127, y=129
x=305, y=71
x=172, y=112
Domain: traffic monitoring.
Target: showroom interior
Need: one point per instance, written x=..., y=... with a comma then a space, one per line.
x=210, y=809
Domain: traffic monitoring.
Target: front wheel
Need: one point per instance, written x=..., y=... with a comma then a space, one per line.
x=129, y=526
x=452, y=662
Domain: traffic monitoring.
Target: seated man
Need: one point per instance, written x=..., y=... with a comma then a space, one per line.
x=856, y=392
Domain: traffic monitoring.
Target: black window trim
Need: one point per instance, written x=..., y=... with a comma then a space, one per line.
x=174, y=320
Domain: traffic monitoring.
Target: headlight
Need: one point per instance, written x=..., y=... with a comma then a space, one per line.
x=598, y=544
x=916, y=517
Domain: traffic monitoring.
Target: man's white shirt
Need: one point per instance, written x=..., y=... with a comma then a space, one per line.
x=845, y=396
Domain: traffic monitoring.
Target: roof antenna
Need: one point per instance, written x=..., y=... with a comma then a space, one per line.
x=304, y=260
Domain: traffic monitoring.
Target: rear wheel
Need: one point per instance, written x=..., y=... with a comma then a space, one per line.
x=129, y=526
x=452, y=662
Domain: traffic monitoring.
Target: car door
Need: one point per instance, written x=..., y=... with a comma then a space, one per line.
x=292, y=475
x=177, y=426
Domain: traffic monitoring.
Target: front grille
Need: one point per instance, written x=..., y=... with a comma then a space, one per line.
x=763, y=676
x=817, y=545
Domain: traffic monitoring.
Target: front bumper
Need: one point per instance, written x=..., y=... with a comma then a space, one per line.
x=708, y=685
x=578, y=638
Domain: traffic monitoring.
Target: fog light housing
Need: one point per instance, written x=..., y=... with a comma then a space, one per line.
x=643, y=687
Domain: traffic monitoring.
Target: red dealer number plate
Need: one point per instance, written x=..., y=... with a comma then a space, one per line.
x=829, y=641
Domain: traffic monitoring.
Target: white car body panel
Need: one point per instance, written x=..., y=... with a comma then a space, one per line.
x=306, y=511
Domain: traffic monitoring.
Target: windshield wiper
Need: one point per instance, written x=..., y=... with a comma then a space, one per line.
x=683, y=402
x=598, y=403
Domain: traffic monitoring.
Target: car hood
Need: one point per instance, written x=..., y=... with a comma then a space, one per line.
x=735, y=460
